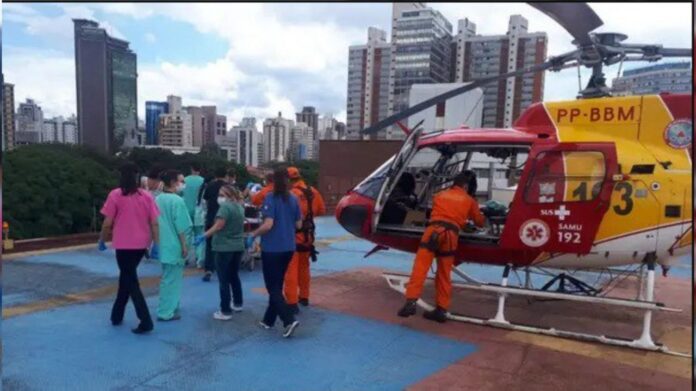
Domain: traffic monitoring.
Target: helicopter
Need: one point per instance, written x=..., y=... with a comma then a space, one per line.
x=596, y=184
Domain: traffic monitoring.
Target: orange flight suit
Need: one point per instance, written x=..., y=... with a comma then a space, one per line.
x=452, y=207
x=257, y=199
x=298, y=270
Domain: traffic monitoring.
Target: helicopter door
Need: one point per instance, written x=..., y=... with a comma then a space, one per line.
x=567, y=190
x=401, y=159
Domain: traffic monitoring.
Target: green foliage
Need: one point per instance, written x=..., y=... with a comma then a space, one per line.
x=309, y=169
x=52, y=190
x=57, y=189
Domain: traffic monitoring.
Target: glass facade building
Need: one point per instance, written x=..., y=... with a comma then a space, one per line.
x=152, y=114
x=422, y=44
x=672, y=77
x=106, y=85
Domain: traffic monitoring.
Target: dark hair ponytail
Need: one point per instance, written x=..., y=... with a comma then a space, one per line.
x=280, y=182
x=129, y=179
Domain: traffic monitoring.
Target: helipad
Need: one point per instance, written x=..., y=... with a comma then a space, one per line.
x=57, y=335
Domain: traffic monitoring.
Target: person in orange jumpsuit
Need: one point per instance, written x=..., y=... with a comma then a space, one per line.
x=257, y=199
x=452, y=208
x=297, y=276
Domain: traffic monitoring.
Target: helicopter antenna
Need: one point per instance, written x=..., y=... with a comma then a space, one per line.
x=594, y=50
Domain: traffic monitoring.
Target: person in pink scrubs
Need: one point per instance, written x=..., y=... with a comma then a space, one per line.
x=130, y=213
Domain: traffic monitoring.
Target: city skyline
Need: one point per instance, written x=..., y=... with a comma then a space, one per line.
x=275, y=58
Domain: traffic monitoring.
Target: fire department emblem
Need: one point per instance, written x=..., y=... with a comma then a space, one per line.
x=534, y=233
x=678, y=134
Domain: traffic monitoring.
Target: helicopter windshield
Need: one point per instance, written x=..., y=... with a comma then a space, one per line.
x=371, y=185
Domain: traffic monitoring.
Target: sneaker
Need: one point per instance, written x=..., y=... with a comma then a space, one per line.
x=175, y=317
x=263, y=325
x=237, y=309
x=408, y=309
x=289, y=329
x=304, y=302
x=219, y=315
x=439, y=315
x=207, y=276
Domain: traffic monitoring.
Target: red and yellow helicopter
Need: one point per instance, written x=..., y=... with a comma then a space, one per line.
x=592, y=184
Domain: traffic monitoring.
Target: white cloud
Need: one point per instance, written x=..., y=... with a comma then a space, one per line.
x=278, y=63
x=52, y=87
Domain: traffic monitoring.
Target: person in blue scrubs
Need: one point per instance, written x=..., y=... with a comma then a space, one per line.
x=281, y=217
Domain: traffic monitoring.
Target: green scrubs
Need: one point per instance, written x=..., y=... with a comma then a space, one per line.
x=173, y=220
x=193, y=187
x=231, y=237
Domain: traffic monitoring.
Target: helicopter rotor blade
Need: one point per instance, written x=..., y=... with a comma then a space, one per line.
x=675, y=52
x=555, y=63
x=576, y=18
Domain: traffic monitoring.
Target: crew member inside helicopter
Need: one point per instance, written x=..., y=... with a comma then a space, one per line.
x=452, y=208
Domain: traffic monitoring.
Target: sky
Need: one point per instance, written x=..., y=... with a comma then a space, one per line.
x=255, y=59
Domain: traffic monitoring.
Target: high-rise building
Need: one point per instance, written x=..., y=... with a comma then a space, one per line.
x=478, y=57
x=211, y=121
x=421, y=40
x=247, y=137
x=199, y=124
x=175, y=127
x=368, y=82
x=152, y=114
x=106, y=77
x=8, y=116
x=29, y=123
x=301, y=142
x=259, y=154
x=220, y=126
x=59, y=130
x=674, y=77
x=309, y=116
x=277, y=138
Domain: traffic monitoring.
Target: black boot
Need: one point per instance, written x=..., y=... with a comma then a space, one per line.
x=304, y=302
x=408, y=309
x=439, y=314
x=142, y=329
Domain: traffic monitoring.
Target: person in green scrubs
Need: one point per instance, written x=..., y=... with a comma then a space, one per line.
x=174, y=227
x=192, y=188
x=228, y=246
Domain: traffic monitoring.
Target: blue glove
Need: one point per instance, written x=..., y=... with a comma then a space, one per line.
x=199, y=240
x=154, y=251
x=248, y=242
x=101, y=246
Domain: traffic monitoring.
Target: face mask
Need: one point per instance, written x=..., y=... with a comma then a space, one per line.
x=180, y=188
x=221, y=200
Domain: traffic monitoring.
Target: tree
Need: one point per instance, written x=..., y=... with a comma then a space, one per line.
x=53, y=190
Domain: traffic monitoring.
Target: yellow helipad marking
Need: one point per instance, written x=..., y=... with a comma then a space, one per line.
x=260, y=290
x=15, y=256
x=672, y=365
x=76, y=298
x=327, y=242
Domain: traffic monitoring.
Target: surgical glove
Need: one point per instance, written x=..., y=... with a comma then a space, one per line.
x=249, y=242
x=154, y=251
x=101, y=246
x=199, y=240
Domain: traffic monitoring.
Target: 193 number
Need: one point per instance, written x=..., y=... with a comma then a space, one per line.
x=569, y=237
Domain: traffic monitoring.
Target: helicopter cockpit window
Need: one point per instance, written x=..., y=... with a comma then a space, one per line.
x=566, y=177
x=373, y=183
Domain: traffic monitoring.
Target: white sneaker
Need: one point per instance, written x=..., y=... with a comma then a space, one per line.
x=264, y=325
x=289, y=329
x=237, y=309
x=220, y=316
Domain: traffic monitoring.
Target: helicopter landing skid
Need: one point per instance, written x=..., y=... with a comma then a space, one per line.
x=398, y=282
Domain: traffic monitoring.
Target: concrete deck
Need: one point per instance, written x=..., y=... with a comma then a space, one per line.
x=57, y=335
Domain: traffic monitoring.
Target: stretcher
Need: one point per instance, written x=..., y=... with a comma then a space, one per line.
x=252, y=220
